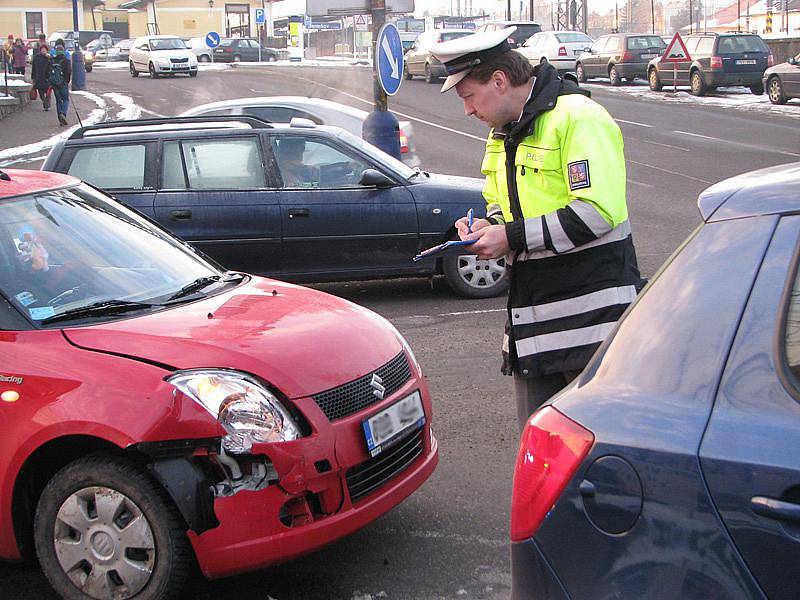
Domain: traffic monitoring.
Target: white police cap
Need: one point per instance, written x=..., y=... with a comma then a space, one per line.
x=460, y=55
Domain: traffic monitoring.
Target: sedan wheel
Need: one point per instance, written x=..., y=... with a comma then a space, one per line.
x=472, y=277
x=428, y=75
x=757, y=89
x=697, y=85
x=152, y=70
x=654, y=81
x=579, y=73
x=406, y=73
x=103, y=529
x=775, y=91
x=613, y=75
x=237, y=58
x=134, y=72
x=204, y=58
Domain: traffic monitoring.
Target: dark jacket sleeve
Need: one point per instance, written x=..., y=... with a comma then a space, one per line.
x=66, y=66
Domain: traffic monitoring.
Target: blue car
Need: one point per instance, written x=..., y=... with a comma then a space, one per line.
x=671, y=467
x=294, y=201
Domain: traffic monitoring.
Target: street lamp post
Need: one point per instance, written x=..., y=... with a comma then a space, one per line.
x=78, y=66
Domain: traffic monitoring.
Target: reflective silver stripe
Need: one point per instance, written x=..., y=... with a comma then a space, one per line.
x=505, y=343
x=591, y=217
x=534, y=234
x=563, y=339
x=620, y=232
x=573, y=306
x=558, y=236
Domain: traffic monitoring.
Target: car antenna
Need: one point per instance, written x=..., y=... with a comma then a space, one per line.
x=77, y=115
x=5, y=176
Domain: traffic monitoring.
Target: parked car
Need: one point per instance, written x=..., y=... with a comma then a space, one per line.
x=717, y=60
x=160, y=412
x=559, y=48
x=301, y=202
x=243, y=49
x=198, y=47
x=282, y=109
x=669, y=469
x=525, y=29
x=782, y=81
x=407, y=39
x=84, y=36
x=161, y=55
x=419, y=61
x=117, y=53
x=619, y=56
x=88, y=57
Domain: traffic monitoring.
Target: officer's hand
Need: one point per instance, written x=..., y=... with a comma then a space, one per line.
x=492, y=242
x=463, y=227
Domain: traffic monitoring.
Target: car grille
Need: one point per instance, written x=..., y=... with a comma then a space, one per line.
x=179, y=60
x=352, y=397
x=374, y=472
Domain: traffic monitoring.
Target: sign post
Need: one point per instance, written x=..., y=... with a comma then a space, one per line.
x=261, y=18
x=675, y=53
x=212, y=41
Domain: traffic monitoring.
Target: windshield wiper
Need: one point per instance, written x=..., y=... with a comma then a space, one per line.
x=418, y=172
x=197, y=284
x=104, y=307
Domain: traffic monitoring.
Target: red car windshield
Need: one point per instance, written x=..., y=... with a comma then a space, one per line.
x=71, y=248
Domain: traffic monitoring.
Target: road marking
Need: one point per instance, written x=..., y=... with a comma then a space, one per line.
x=705, y=137
x=633, y=162
x=460, y=313
x=745, y=144
x=632, y=182
x=633, y=123
x=154, y=113
x=666, y=145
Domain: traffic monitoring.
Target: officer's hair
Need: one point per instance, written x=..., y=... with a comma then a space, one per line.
x=516, y=67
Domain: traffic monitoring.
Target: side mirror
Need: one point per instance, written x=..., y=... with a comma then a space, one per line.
x=373, y=178
x=792, y=61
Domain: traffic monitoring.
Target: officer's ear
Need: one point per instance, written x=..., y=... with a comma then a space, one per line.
x=499, y=81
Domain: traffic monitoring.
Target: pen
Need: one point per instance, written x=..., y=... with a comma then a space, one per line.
x=469, y=220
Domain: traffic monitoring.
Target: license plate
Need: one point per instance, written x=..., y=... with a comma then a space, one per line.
x=745, y=62
x=386, y=427
x=648, y=56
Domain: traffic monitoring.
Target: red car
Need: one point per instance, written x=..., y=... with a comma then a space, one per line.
x=157, y=409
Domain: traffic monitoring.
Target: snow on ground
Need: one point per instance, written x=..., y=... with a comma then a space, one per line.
x=737, y=98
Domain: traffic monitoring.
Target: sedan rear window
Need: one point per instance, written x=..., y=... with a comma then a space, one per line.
x=741, y=43
x=110, y=167
x=644, y=42
x=572, y=37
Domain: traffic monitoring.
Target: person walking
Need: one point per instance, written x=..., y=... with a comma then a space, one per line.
x=58, y=78
x=556, y=209
x=8, y=57
x=40, y=74
x=19, y=57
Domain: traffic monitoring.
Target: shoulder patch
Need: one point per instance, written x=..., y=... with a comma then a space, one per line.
x=579, y=175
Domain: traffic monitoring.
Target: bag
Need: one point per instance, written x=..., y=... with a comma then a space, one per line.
x=56, y=75
x=33, y=95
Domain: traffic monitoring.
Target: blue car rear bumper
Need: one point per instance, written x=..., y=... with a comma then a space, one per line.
x=531, y=575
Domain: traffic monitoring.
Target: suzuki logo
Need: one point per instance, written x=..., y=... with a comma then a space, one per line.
x=377, y=386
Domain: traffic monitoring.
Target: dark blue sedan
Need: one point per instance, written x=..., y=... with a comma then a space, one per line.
x=294, y=201
x=671, y=467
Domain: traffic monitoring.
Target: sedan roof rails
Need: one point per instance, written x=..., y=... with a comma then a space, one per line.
x=112, y=127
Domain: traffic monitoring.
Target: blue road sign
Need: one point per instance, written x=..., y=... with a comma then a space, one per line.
x=390, y=59
x=212, y=39
x=261, y=16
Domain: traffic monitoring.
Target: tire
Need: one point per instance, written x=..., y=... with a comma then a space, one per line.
x=757, y=89
x=406, y=73
x=579, y=73
x=613, y=75
x=101, y=497
x=89, y=68
x=192, y=73
x=429, y=78
x=653, y=80
x=696, y=83
x=134, y=72
x=236, y=58
x=775, y=90
x=204, y=58
x=152, y=69
x=471, y=277
x=271, y=58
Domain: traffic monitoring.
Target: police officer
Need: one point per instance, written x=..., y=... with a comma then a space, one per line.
x=555, y=207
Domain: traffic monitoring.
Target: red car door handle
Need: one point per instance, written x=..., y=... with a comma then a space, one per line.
x=775, y=509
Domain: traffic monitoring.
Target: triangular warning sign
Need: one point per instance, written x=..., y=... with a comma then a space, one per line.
x=676, y=51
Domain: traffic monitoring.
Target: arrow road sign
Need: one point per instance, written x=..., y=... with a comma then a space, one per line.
x=390, y=59
x=676, y=51
x=212, y=39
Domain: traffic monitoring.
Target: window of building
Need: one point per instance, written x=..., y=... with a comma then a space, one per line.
x=33, y=24
x=237, y=20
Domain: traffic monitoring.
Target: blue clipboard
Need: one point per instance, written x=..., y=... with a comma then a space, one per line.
x=442, y=247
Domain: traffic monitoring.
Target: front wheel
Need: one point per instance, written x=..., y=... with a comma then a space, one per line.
x=104, y=529
x=134, y=72
x=775, y=91
x=192, y=73
x=580, y=73
x=406, y=73
x=757, y=89
x=152, y=69
x=89, y=68
x=471, y=277
x=204, y=58
x=653, y=80
x=613, y=75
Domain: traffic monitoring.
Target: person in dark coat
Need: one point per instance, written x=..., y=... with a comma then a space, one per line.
x=19, y=56
x=60, y=75
x=40, y=74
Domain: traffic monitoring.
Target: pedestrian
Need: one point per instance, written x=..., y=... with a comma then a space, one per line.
x=41, y=41
x=19, y=57
x=8, y=46
x=59, y=77
x=40, y=74
x=556, y=209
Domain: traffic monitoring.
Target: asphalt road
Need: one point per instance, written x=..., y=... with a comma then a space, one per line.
x=449, y=540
